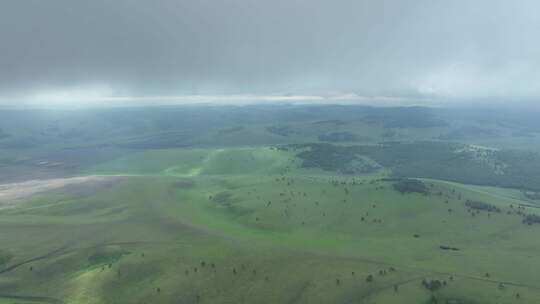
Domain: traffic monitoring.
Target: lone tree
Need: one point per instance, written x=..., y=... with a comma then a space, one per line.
x=369, y=278
x=432, y=285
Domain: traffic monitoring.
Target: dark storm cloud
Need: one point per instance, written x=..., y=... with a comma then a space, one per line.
x=451, y=49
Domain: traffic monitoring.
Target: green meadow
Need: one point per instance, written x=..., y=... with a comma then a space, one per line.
x=252, y=225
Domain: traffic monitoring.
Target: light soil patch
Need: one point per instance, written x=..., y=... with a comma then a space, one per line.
x=11, y=194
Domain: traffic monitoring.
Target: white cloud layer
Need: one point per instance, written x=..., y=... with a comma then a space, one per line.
x=166, y=51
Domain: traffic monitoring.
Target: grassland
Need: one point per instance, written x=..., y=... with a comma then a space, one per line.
x=250, y=225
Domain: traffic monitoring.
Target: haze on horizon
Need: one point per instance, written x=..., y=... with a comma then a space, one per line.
x=165, y=51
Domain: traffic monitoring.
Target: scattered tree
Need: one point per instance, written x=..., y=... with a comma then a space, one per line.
x=369, y=278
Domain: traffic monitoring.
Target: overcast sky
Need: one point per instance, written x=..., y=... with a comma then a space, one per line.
x=430, y=50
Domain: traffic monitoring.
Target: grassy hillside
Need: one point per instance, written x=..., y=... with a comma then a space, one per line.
x=189, y=162
x=250, y=225
x=53, y=143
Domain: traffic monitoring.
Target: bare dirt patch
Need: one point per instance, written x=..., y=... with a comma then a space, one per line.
x=12, y=193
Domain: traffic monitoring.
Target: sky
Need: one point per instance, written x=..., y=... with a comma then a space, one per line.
x=226, y=51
